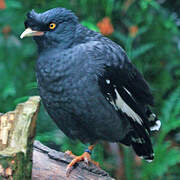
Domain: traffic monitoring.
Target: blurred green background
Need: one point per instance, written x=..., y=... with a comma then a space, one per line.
x=149, y=32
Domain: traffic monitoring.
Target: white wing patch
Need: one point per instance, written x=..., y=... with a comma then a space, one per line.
x=126, y=109
x=128, y=92
x=112, y=102
x=108, y=81
x=152, y=117
x=148, y=160
x=157, y=126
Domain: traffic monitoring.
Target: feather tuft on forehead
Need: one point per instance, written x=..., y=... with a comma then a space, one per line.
x=32, y=14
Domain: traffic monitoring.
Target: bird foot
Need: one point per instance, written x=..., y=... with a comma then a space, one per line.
x=86, y=157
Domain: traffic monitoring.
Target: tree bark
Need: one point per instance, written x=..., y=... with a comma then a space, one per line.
x=17, y=132
x=50, y=164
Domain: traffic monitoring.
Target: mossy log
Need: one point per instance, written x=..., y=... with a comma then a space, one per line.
x=17, y=132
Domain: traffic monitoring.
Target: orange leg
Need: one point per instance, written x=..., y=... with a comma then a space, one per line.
x=86, y=157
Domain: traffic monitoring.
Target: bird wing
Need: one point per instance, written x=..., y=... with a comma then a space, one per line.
x=124, y=87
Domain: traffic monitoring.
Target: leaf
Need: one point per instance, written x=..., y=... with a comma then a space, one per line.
x=121, y=37
x=142, y=30
x=90, y=25
x=166, y=156
x=51, y=136
x=141, y=50
x=21, y=99
x=32, y=85
x=170, y=106
x=9, y=90
x=164, y=159
x=171, y=112
x=14, y=4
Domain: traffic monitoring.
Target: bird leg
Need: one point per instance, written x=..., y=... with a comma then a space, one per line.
x=86, y=157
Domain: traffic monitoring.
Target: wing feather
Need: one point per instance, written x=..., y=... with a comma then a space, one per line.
x=124, y=87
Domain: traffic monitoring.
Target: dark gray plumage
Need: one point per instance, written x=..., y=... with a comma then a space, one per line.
x=88, y=85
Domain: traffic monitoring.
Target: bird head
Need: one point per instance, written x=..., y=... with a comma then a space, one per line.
x=51, y=28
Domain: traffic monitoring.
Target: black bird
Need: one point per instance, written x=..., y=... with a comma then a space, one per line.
x=89, y=86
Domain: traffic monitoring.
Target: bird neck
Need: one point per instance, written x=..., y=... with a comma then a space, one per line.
x=83, y=35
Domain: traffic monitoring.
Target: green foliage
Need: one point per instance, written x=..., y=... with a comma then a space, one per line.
x=166, y=155
x=165, y=158
x=171, y=113
x=146, y=30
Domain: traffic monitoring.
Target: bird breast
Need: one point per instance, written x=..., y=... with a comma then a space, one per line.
x=64, y=82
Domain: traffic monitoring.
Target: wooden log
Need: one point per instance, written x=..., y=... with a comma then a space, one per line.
x=17, y=132
x=49, y=164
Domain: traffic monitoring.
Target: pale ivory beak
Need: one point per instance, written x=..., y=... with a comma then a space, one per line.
x=29, y=32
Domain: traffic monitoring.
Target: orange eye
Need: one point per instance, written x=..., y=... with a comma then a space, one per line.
x=52, y=26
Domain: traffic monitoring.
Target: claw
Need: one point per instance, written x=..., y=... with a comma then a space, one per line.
x=95, y=163
x=86, y=160
x=68, y=152
x=68, y=170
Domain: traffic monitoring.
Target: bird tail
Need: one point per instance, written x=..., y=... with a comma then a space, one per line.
x=154, y=122
x=141, y=143
x=140, y=136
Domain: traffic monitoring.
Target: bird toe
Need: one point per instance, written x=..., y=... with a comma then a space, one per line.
x=86, y=157
x=69, y=153
x=68, y=170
